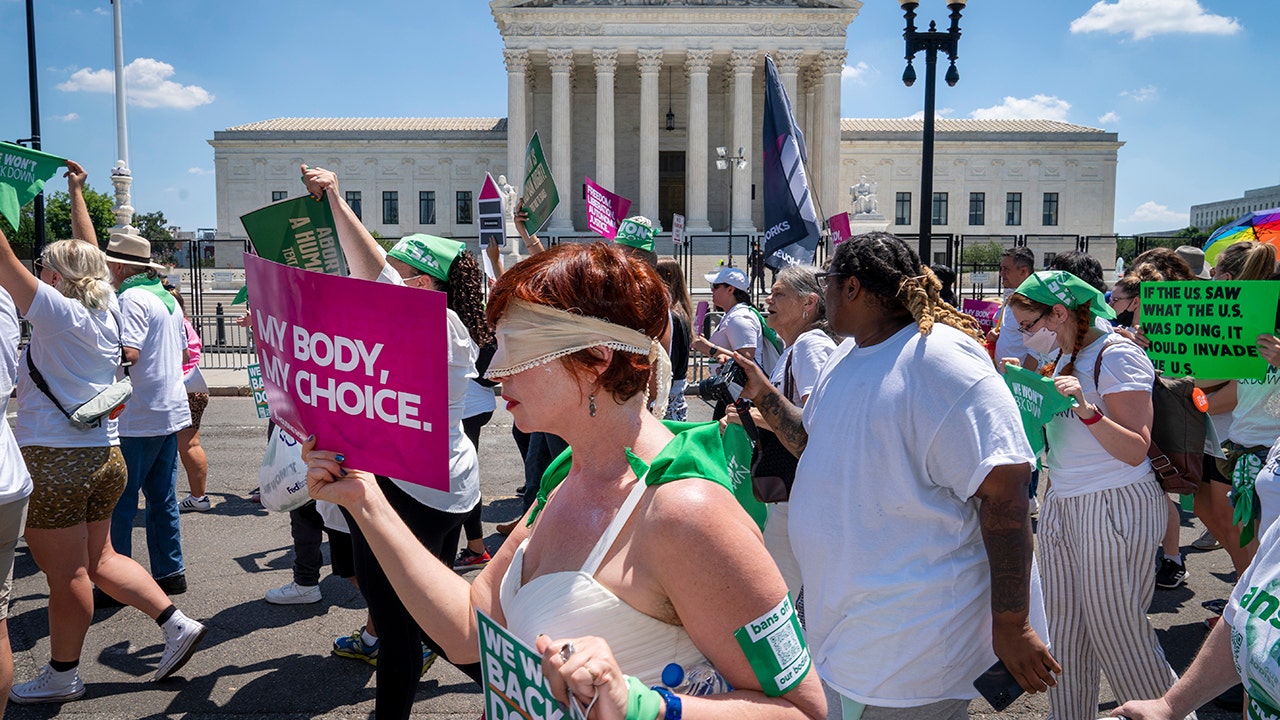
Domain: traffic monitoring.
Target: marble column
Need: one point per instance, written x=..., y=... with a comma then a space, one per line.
x=813, y=127
x=561, y=62
x=517, y=62
x=606, y=62
x=832, y=63
x=788, y=62
x=697, y=65
x=649, y=62
x=742, y=65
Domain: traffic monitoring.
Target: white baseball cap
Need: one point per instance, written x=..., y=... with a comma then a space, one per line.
x=729, y=276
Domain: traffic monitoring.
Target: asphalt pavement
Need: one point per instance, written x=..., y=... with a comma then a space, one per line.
x=268, y=661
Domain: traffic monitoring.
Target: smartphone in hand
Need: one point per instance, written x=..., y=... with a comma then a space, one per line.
x=998, y=686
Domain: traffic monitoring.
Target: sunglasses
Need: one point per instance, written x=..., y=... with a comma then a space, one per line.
x=38, y=265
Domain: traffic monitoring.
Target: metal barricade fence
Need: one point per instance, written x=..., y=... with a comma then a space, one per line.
x=227, y=346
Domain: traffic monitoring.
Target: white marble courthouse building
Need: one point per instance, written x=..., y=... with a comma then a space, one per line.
x=638, y=94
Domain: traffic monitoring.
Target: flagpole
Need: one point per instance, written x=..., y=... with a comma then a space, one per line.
x=32, y=80
x=121, y=177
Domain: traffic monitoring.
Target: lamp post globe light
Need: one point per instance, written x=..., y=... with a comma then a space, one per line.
x=725, y=161
x=929, y=42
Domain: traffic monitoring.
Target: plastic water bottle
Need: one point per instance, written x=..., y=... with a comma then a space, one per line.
x=698, y=680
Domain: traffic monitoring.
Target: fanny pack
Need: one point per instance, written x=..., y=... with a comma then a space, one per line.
x=107, y=404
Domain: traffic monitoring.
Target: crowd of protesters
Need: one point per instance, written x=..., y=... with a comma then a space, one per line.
x=886, y=401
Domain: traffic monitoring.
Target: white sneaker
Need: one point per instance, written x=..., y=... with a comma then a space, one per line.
x=192, y=504
x=294, y=594
x=1034, y=507
x=50, y=686
x=181, y=636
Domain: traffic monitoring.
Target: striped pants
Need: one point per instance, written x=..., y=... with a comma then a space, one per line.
x=1096, y=553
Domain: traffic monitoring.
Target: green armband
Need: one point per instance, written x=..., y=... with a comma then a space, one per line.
x=642, y=703
x=775, y=648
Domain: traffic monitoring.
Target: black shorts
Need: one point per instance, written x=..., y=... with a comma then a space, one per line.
x=1211, y=471
x=341, y=558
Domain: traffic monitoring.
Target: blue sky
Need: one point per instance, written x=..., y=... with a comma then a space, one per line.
x=1184, y=82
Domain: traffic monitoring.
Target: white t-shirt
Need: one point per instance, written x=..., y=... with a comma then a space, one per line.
x=1256, y=419
x=159, y=403
x=810, y=352
x=1010, y=343
x=77, y=350
x=464, y=467
x=738, y=329
x=1253, y=616
x=901, y=436
x=1267, y=485
x=1077, y=462
x=15, y=482
x=479, y=400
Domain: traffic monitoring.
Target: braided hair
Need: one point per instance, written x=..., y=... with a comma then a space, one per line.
x=466, y=297
x=891, y=272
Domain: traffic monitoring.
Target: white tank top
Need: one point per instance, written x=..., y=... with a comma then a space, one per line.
x=573, y=604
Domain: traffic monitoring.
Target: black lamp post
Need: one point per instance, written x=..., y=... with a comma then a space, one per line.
x=930, y=43
x=34, y=140
x=725, y=161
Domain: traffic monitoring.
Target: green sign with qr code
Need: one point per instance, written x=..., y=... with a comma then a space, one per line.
x=775, y=648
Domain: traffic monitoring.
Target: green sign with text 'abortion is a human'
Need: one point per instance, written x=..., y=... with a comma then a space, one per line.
x=1209, y=329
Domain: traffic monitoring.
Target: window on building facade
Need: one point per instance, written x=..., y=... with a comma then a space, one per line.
x=464, y=208
x=939, y=212
x=390, y=207
x=1050, y=217
x=902, y=209
x=977, y=208
x=426, y=207
x=278, y=195
x=353, y=202
x=1013, y=209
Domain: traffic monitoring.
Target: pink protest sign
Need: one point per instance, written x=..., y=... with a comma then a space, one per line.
x=699, y=316
x=361, y=365
x=984, y=311
x=839, y=225
x=604, y=210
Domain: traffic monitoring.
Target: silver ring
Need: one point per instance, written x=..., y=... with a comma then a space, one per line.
x=567, y=650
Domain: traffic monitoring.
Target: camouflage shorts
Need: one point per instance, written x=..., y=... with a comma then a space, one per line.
x=73, y=485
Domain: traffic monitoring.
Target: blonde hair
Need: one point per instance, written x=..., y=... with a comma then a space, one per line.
x=82, y=271
x=1248, y=260
x=922, y=295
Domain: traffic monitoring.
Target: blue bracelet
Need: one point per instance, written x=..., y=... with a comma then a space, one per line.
x=674, y=709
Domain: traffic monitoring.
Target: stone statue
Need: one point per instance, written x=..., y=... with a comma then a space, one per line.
x=510, y=196
x=863, y=196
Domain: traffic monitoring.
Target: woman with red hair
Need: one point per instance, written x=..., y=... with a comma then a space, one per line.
x=600, y=578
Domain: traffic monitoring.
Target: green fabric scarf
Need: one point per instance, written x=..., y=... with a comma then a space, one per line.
x=1057, y=287
x=151, y=285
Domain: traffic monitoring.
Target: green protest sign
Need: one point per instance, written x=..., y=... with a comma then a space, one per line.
x=297, y=232
x=539, y=192
x=23, y=173
x=514, y=688
x=1038, y=401
x=1209, y=329
x=259, y=389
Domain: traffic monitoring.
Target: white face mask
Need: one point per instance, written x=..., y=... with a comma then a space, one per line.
x=1043, y=341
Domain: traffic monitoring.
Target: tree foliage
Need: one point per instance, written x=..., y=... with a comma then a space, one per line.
x=987, y=253
x=57, y=215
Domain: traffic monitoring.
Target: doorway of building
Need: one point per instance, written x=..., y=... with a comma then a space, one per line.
x=671, y=182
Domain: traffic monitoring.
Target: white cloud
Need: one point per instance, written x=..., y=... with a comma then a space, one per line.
x=1036, y=107
x=99, y=10
x=199, y=171
x=147, y=83
x=940, y=112
x=69, y=117
x=1153, y=213
x=1142, y=94
x=1148, y=18
x=857, y=73
x=1109, y=118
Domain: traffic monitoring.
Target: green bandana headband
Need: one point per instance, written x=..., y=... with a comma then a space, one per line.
x=1056, y=287
x=427, y=253
x=151, y=285
x=636, y=231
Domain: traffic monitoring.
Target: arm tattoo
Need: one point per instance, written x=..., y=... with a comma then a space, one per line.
x=785, y=419
x=1007, y=535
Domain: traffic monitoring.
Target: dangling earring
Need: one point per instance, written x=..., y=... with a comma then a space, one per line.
x=592, y=406
x=804, y=315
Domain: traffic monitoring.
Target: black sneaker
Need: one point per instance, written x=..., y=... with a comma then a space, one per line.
x=1170, y=574
x=103, y=601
